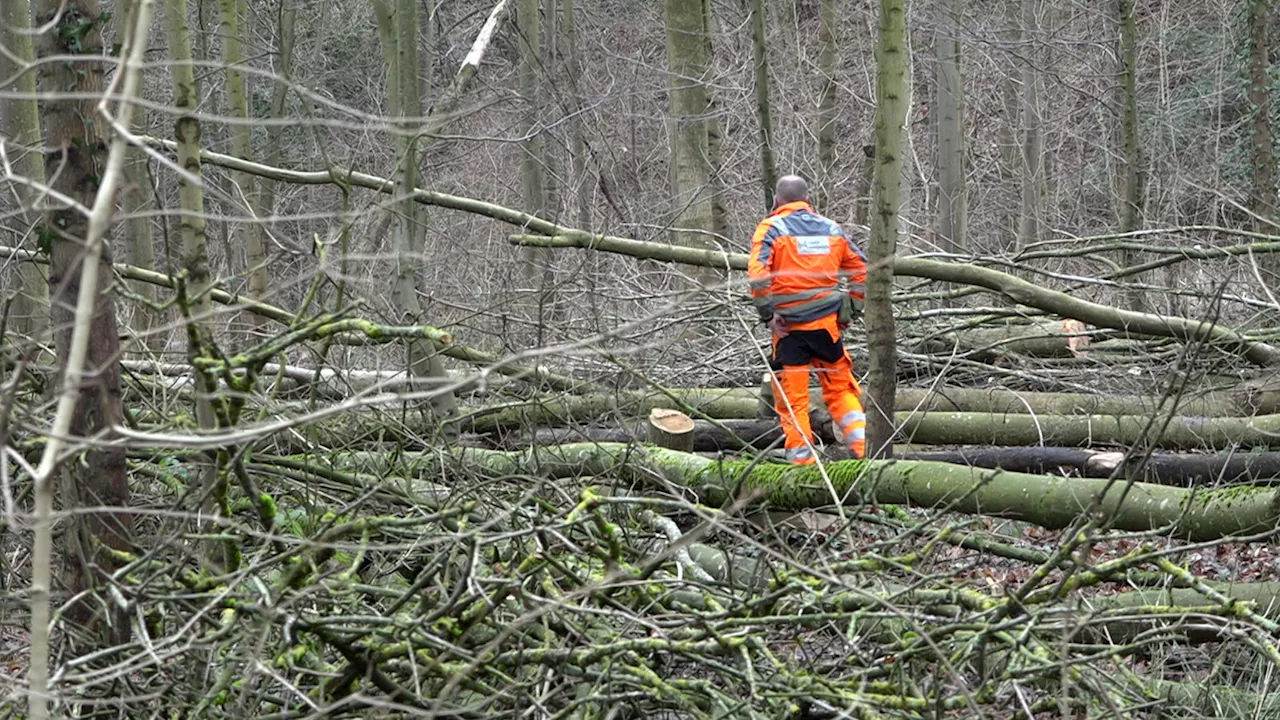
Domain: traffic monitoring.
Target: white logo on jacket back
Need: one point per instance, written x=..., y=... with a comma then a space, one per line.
x=813, y=244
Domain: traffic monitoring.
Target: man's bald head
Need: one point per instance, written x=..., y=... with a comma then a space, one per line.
x=790, y=188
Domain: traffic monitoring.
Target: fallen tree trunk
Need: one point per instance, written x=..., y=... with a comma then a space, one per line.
x=1040, y=339
x=1050, y=502
x=1161, y=468
x=522, y=423
x=1199, y=700
x=554, y=235
x=1185, y=433
x=744, y=403
x=927, y=428
x=722, y=436
x=1011, y=287
x=1263, y=596
x=1000, y=400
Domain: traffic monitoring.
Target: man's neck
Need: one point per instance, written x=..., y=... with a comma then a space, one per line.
x=793, y=206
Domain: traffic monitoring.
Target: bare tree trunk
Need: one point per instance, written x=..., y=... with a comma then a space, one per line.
x=195, y=256
x=687, y=65
x=247, y=235
x=953, y=199
x=20, y=118
x=286, y=24
x=75, y=138
x=137, y=197
x=1263, y=197
x=828, y=63
x=1130, y=142
x=397, y=28
x=891, y=112
x=582, y=194
x=764, y=109
x=537, y=262
x=715, y=137
x=1031, y=220
x=1011, y=130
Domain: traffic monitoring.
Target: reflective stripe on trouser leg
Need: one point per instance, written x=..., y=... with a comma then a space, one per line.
x=791, y=402
x=800, y=456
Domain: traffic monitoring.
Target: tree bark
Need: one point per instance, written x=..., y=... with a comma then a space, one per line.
x=1032, y=219
x=398, y=29
x=764, y=108
x=953, y=200
x=137, y=198
x=687, y=66
x=1132, y=181
x=247, y=235
x=715, y=133
x=286, y=24
x=891, y=114
x=75, y=139
x=1261, y=141
x=536, y=262
x=1049, y=502
x=573, y=67
x=195, y=258
x=21, y=122
x=828, y=67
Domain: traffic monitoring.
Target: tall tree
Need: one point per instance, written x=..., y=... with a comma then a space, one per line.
x=286, y=24
x=1011, y=111
x=764, y=109
x=687, y=67
x=75, y=142
x=537, y=262
x=1031, y=221
x=953, y=195
x=1130, y=140
x=892, y=91
x=1261, y=142
x=233, y=15
x=136, y=198
x=20, y=120
x=715, y=134
x=398, y=31
x=829, y=66
x=195, y=252
x=578, y=139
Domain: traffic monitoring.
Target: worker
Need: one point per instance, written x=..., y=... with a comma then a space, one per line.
x=799, y=260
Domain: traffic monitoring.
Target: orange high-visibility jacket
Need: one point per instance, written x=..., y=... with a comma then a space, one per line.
x=798, y=259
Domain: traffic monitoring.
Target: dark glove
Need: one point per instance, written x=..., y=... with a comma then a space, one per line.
x=845, y=316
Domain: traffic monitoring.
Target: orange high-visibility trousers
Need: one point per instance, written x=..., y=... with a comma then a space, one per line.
x=840, y=390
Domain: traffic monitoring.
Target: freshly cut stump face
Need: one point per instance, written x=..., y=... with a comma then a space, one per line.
x=672, y=421
x=670, y=429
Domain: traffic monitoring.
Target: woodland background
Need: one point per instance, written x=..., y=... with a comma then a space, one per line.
x=346, y=438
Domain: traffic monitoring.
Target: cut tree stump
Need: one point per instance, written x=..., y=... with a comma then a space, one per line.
x=670, y=429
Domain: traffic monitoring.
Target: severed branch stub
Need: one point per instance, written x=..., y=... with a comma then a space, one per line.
x=670, y=429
